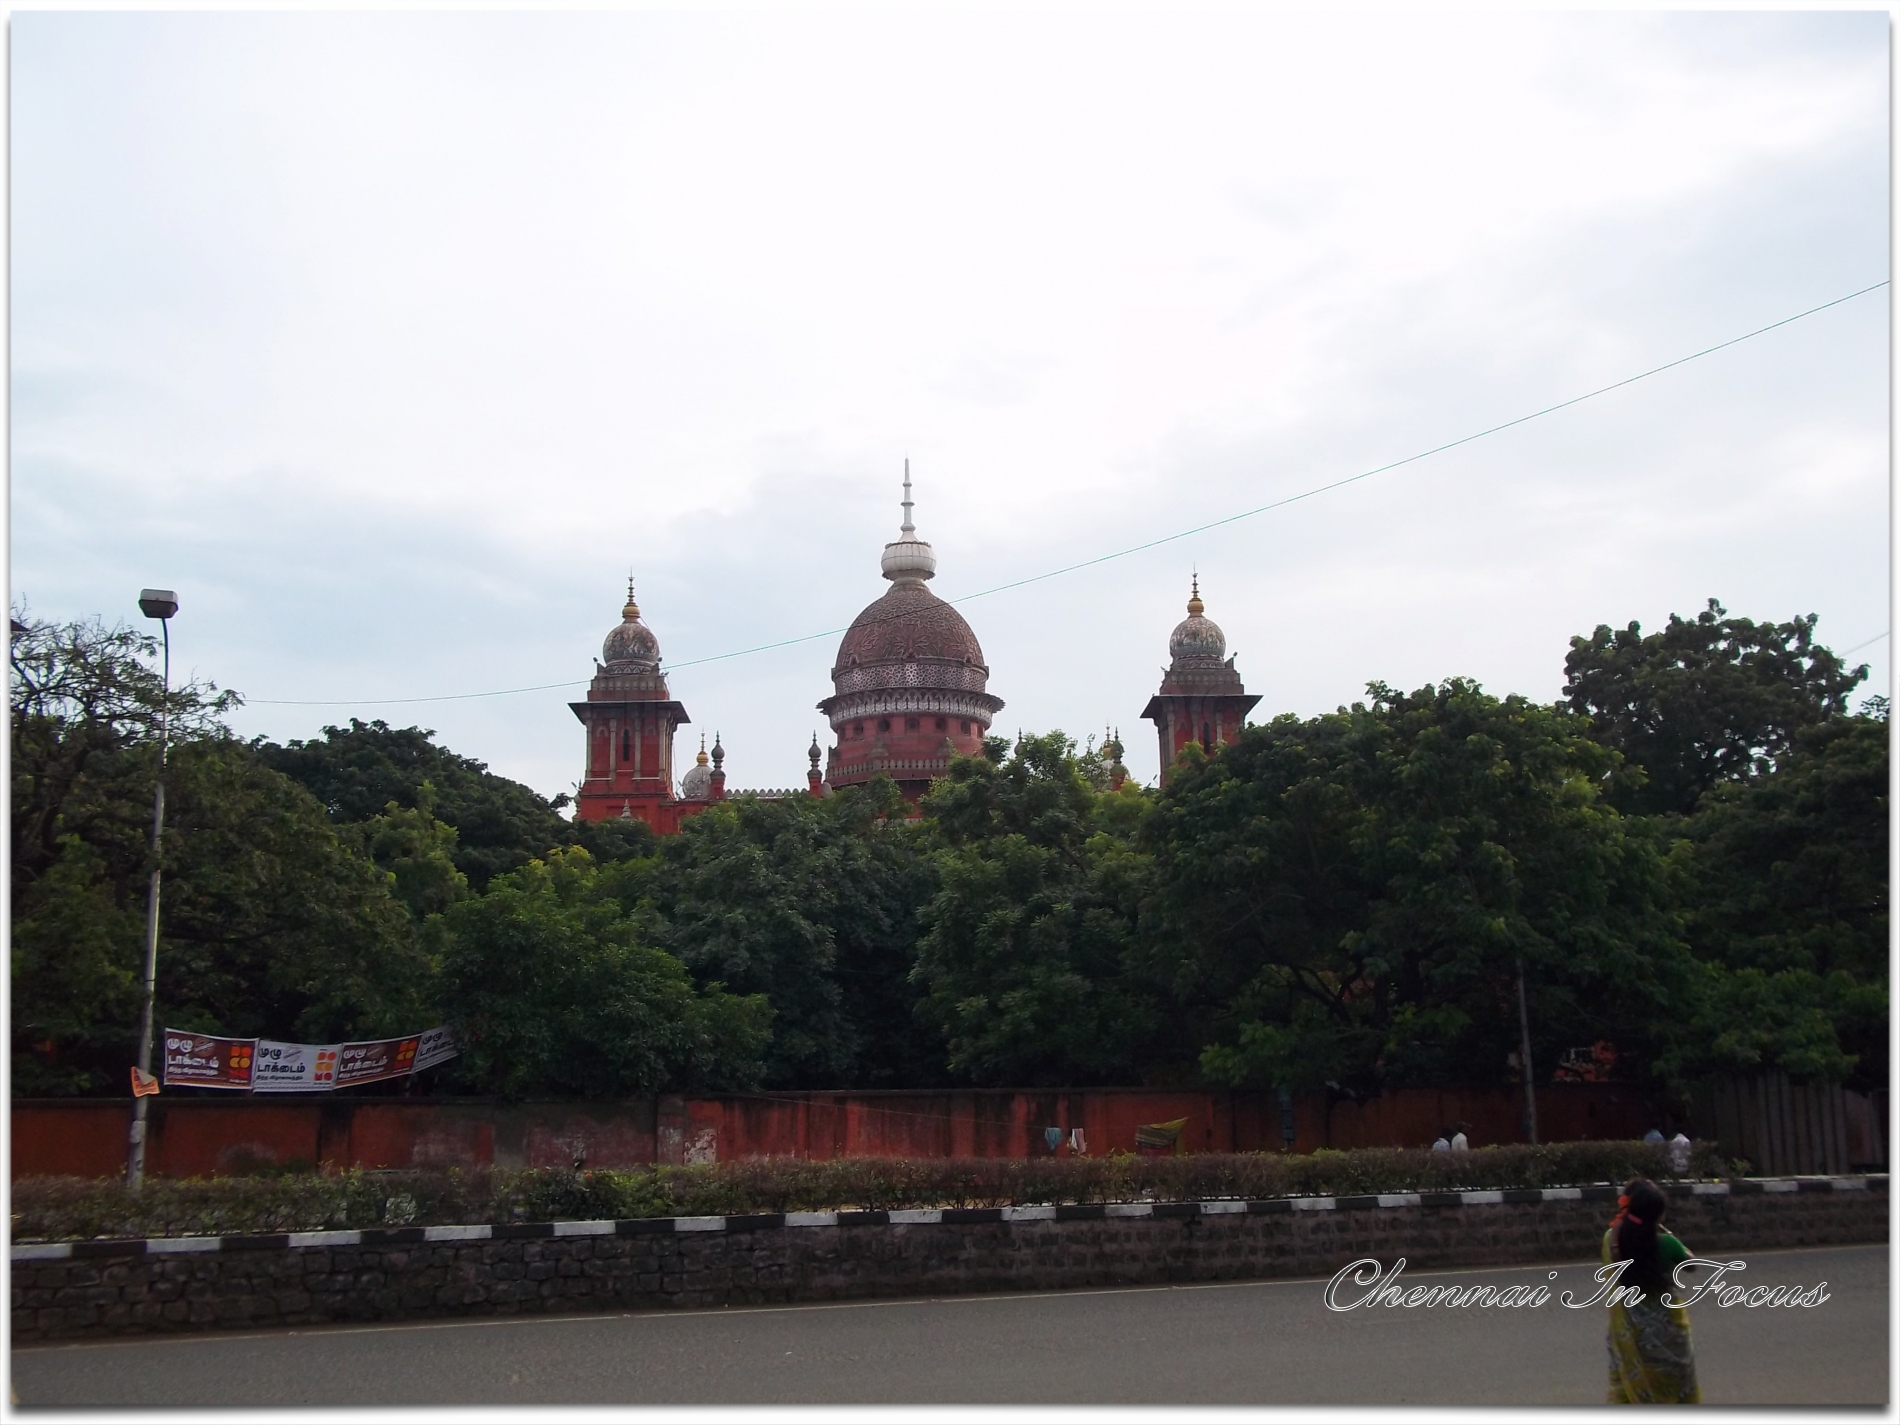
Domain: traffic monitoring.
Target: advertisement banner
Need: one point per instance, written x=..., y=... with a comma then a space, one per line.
x=432, y=1048
x=206, y=1061
x=376, y=1059
x=276, y=1066
x=293, y=1068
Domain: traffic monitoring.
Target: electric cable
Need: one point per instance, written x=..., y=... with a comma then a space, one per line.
x=1133, y=548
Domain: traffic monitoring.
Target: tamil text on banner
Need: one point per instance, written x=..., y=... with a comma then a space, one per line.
x=374, y=1059
x=432, y=1048
x=207, y=1061
x=294, y=1068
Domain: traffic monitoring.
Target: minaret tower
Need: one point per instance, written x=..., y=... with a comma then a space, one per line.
x=1201, y=698
x=630, y=719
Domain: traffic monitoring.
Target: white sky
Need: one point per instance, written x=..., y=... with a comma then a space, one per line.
x=392, y=342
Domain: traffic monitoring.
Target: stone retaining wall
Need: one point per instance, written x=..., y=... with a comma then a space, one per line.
x=102, y=1288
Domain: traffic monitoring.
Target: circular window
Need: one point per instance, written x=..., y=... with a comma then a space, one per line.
x=942, y=723
x=910, y=724
x=883, y=724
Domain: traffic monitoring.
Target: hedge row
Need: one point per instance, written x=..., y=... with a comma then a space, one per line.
x=60, y=1209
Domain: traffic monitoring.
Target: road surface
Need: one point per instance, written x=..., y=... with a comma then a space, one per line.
x=1229, y=1343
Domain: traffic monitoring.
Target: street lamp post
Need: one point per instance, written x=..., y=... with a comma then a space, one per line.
x=160, y=604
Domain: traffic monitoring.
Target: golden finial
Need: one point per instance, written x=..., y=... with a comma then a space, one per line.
x=632, y=610
x=701, y=759
x=1195, y=606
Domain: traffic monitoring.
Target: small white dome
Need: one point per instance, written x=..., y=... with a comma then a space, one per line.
x=908, y=559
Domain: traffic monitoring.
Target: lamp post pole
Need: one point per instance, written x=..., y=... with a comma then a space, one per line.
x=1524, y=1032
x=160, y=604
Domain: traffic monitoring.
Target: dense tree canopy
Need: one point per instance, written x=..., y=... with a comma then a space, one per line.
x=557, y=992
x=1030, y=964
x=813, y=904
x=1353, y=895
x=359, y=771
x=1703, y=701
x=1686, y=858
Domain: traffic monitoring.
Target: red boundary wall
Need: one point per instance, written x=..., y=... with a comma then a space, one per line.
x=197, y=1135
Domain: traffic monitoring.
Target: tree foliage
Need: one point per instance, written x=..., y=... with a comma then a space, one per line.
x=357, y=772
x=1687, y=857
x=1703, y=701
x=1030, y=963
x=812, y=903
x=555, y=991
x=271, y=925
x=1352, y=895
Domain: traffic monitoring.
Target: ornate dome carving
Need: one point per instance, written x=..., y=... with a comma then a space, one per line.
x=907, y=625
x=631, y=646
x=696, y=785
x=1197, y=638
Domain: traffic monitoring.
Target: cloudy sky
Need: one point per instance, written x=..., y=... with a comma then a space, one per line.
x=394, y=342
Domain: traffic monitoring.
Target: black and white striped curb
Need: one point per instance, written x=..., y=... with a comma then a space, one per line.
x=899, y=1217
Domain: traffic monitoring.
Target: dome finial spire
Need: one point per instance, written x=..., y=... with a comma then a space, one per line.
x=908, y=559
x=1195, y=606
x=632, y=610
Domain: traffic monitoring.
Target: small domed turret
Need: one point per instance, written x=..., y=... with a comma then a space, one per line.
x=1197, y=638
x=696, y=785
x=632, y=646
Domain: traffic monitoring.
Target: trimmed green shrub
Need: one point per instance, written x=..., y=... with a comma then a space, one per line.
x=62, y=1209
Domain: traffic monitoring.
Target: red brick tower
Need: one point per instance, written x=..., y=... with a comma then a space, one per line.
x=1201, y=698
x=910, y=682
x=630, y=719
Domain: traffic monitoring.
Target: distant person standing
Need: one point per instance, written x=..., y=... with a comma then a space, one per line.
x=1442, y=1143
x=1652, y=1361
x=1654, y=1136
x=1460, y=1143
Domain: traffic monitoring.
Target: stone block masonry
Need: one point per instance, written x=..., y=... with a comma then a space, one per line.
x=107, y=1288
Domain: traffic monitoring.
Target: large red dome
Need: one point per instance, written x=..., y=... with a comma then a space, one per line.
x=910, y=688
x=908, y=623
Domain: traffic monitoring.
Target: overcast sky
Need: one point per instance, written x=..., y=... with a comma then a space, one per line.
x=392, y=342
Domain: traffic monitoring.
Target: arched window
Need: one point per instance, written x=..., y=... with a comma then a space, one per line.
x=626, y=745
x=1207, y=738
x=942, y=723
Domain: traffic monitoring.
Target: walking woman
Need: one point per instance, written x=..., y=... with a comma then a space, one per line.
x=1651, y=1359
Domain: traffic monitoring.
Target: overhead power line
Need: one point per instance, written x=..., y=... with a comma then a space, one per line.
x=1147, y=544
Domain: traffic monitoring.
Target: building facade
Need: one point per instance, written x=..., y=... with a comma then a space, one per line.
x=910, y=691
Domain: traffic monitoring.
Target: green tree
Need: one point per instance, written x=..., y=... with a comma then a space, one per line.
x=811, y=902
x=416, y=851
x=555, y=991
x=1702, y=701
x=82, y=701
x=1351, y=896
x=356, y=772
x=1030, y=963
x=1787, y=907
x=271, y=926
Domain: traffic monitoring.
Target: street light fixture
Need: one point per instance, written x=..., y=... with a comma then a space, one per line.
x=160, y=604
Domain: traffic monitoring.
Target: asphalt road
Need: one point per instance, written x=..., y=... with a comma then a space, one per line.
x=1235, y=1343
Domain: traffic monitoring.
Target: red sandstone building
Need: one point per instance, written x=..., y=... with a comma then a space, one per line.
x=910, y=691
